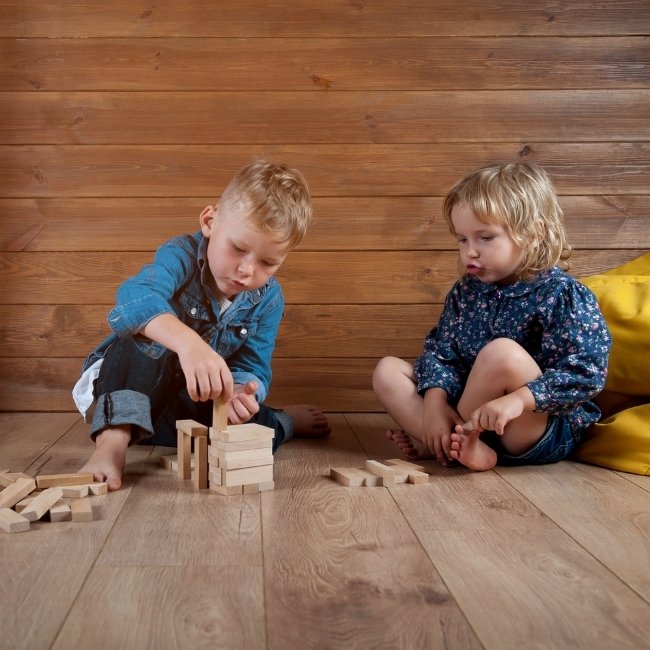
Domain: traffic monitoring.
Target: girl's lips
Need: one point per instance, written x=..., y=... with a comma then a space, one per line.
x=472, y=269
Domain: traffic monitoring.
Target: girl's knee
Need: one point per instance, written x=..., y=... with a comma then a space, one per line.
x=387, y=372
x=506, y=357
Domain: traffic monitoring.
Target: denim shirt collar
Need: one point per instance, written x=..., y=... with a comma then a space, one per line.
x=251, y=297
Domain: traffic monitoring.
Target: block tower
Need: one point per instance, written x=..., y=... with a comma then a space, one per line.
x=228, y=459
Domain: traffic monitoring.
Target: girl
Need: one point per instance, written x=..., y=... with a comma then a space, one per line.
x=521, y=347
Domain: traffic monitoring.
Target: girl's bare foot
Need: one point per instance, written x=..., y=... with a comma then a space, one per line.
x=107, y=461
x=469, y=450
x=410, y=447
x=308, y=421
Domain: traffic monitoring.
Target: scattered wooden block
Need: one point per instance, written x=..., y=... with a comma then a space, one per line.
x=6, y=479
x=98, y=488
x=23, y=503
x=18, y=490
x=61, y=511
x=376, y=473
x=40, y=504
x=82, y=510
x=12, y=522
x=404, y=463
x=57, y=480
x=75, y=491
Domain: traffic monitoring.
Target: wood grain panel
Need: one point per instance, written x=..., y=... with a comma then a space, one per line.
x=397, y=277
x=346, y=223
x=442, y=63
x=352, y=117
x=331, y=170
x=306, y=330
x=250, y=18
x=45, y=384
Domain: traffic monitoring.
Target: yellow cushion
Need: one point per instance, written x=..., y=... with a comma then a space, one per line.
x=625, y=303
x=622, y=440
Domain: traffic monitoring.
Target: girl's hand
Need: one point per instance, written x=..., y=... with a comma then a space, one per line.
x=243, y=405
x=496, y=414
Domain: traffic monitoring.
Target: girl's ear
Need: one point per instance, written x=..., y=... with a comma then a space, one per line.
x=206, y=219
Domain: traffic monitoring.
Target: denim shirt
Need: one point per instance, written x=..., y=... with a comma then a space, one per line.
x=554, y=318
x=178, y=282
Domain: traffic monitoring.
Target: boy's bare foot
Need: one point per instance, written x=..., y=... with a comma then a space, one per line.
x=410, y=447
x=107, y=461
x=469, y=450
x=308, y=421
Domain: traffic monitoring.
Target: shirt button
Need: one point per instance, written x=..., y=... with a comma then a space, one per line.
x=193, y=311
x=243, y=332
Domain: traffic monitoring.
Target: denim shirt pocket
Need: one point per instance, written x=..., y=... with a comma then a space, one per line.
x=193, y=312
x=235, y=335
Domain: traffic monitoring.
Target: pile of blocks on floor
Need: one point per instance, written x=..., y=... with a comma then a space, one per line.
x=57, y=497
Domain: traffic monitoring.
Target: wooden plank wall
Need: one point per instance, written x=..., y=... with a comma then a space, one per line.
x=120, y=120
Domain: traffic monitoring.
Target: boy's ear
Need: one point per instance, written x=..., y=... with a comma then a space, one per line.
x=206, y=219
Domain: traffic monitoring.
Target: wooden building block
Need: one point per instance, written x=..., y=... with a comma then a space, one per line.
x=370, y=479
x=40, y=504
x=82, y=510
x=405, y=464
x=57, y=480
x=191, y=428
x=346, y=476
x=245, y=432
x=244, y=454
x=415, y=473
x=227, y=463
x=61, y=511
x=227, y=490
x=74, y=491
x=15, y=475
x=184, y=450
x=247, y=475
x=23, y=503
x=219, y=415
x=251, y=488
x=201, y=462
x=215, y=477
x=18, y=490
x=98, y=488
x=388, y=474
x=241, y=446
x=12, y=522
x=6, y=479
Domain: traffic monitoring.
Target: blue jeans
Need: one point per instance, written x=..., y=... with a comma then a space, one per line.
x=557, y=443
x=150, y=394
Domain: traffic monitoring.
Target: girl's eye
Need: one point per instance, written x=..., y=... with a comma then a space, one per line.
x=238, y=249
x=488, y=238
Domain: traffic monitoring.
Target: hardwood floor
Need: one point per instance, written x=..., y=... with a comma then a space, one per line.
x=535, y=557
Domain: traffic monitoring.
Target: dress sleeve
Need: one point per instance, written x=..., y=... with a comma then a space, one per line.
x=575, y=345
x=146, y=295
x=440, y=365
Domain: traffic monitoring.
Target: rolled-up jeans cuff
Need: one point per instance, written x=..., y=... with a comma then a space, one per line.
x=120, y=408
x=286, y=421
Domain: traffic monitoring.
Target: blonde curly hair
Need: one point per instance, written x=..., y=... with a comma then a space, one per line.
x=521, y=198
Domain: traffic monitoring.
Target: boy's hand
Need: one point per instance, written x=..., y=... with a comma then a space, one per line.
x=243, y=405
x=206, y=373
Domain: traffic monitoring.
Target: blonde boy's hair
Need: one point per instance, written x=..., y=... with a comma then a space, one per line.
x=521, y=198
x=276, y=199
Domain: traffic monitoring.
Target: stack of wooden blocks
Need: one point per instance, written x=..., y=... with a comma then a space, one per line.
x=230, y=460
x=24, y=500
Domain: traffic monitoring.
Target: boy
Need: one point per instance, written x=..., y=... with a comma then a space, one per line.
x=199, y=323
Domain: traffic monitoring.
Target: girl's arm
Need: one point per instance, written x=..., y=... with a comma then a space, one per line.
x=574, y=352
